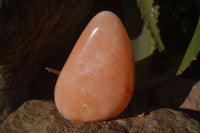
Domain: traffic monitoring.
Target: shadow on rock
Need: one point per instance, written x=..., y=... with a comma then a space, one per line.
x=169, y=94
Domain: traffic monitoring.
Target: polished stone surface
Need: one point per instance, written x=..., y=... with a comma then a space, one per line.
x=97, y=81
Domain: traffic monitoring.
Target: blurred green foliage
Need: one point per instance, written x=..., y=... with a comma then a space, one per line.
x=165, y=32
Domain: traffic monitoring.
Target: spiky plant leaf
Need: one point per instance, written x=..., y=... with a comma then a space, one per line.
x=192, y=50
x=143, y=46
x=150, y=15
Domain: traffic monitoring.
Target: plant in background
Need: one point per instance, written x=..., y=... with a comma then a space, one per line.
x=161, y=38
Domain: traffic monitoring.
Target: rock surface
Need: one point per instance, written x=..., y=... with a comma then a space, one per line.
x=40, y=116
x=193, y=99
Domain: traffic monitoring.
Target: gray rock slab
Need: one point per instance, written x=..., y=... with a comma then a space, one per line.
x=41, y=116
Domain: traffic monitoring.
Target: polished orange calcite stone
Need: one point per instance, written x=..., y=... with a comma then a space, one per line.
x=97, y=81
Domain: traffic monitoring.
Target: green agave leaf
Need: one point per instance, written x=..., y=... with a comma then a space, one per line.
x=143, y=46
x=143, y=43
x=150, y=14
x=192, y=50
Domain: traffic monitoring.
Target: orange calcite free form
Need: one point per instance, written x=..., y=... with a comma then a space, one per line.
x=97, y=81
